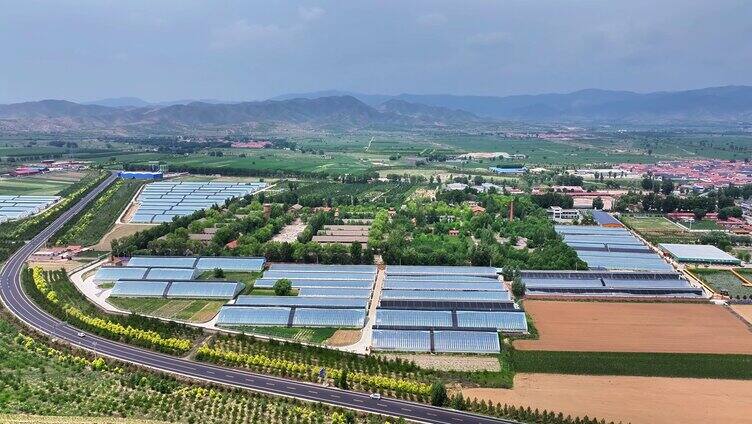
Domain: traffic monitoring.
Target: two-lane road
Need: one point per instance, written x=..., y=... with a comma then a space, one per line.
x=21, y=306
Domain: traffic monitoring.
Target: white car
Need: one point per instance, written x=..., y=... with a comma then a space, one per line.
x=375, y=396
x=81, y=334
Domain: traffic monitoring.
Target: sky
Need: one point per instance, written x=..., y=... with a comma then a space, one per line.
x=252, y=50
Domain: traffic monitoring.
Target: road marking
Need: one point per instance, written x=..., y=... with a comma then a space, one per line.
x=431, y=414
x=269, y=383
x=334, y=396
x=313, y=392
x=290, y=388
x=406, y=409
x=357, y=400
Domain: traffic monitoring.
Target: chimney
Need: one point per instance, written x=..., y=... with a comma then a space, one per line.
x=267, y=210
x=511, y=210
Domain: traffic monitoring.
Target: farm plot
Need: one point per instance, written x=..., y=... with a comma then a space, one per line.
x=267, y=162
x=38, y=185
x=636, y=327
x=744, y=311
x=184, y=310
x=655, y=400
x=658, y=229
x=724, y=282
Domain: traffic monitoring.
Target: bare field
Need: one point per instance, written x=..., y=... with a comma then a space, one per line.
x=636, y=327
x=344, y=338
x=119, y=231
x=655, y=400
x=55, y=265
x=290, y=232
x=745, y=311
x=449, y=362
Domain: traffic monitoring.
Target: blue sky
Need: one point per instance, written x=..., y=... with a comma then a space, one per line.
x=246, y=50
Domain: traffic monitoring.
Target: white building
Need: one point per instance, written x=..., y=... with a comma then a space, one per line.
x=561, y=215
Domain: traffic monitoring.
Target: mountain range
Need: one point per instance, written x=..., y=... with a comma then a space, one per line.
x=713, y=104
x=728, y=105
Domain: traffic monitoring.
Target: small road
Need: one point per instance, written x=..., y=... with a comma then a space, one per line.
x=14, y=298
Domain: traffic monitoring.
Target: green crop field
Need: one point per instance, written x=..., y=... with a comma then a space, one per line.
x=724, y=281
x=268, y=161
x=38, y=185
x=177, y=309
x=658, y=229
x=738, y=367
x=309, y=335
x=704, y=224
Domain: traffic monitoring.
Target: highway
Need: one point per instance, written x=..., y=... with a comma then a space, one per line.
x=14, y=299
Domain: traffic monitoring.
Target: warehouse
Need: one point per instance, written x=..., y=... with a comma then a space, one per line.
x=140, y=175
x=699, y=253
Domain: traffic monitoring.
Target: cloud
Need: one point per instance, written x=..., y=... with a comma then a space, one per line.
x=432, y=19
x=241, y=32
x=310, y=14
x=489, y=39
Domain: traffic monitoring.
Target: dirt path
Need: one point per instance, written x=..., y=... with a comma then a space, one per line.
x=636, y=327
x=653, y=400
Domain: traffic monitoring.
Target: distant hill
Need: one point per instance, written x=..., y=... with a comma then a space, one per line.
x=130, y=102
x=426, y=114
x=333, y=111
x=120, y=102
x=716, y=104
x=369, y=99
x=726, y=105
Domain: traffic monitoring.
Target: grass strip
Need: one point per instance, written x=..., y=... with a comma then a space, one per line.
x=693, y=365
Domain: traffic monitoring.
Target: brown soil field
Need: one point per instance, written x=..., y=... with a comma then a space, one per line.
x=449, y=362
x=636, y=327
x=120, y=230
x=55, y=265
x=206, y=313
x=745, y=311
x=654, y=400
x=343, y=338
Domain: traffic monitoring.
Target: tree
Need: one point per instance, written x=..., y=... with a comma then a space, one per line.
x=438, y=394
x=728, y=211
x=518, y=288
x=647, y=183
x=219, y=273
x=356, y=253
x=349, y=417
x=598, y=203
x=667, y=187
x=699, y=213
x=341, y=382
x=283, y=287
x=744, y=255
